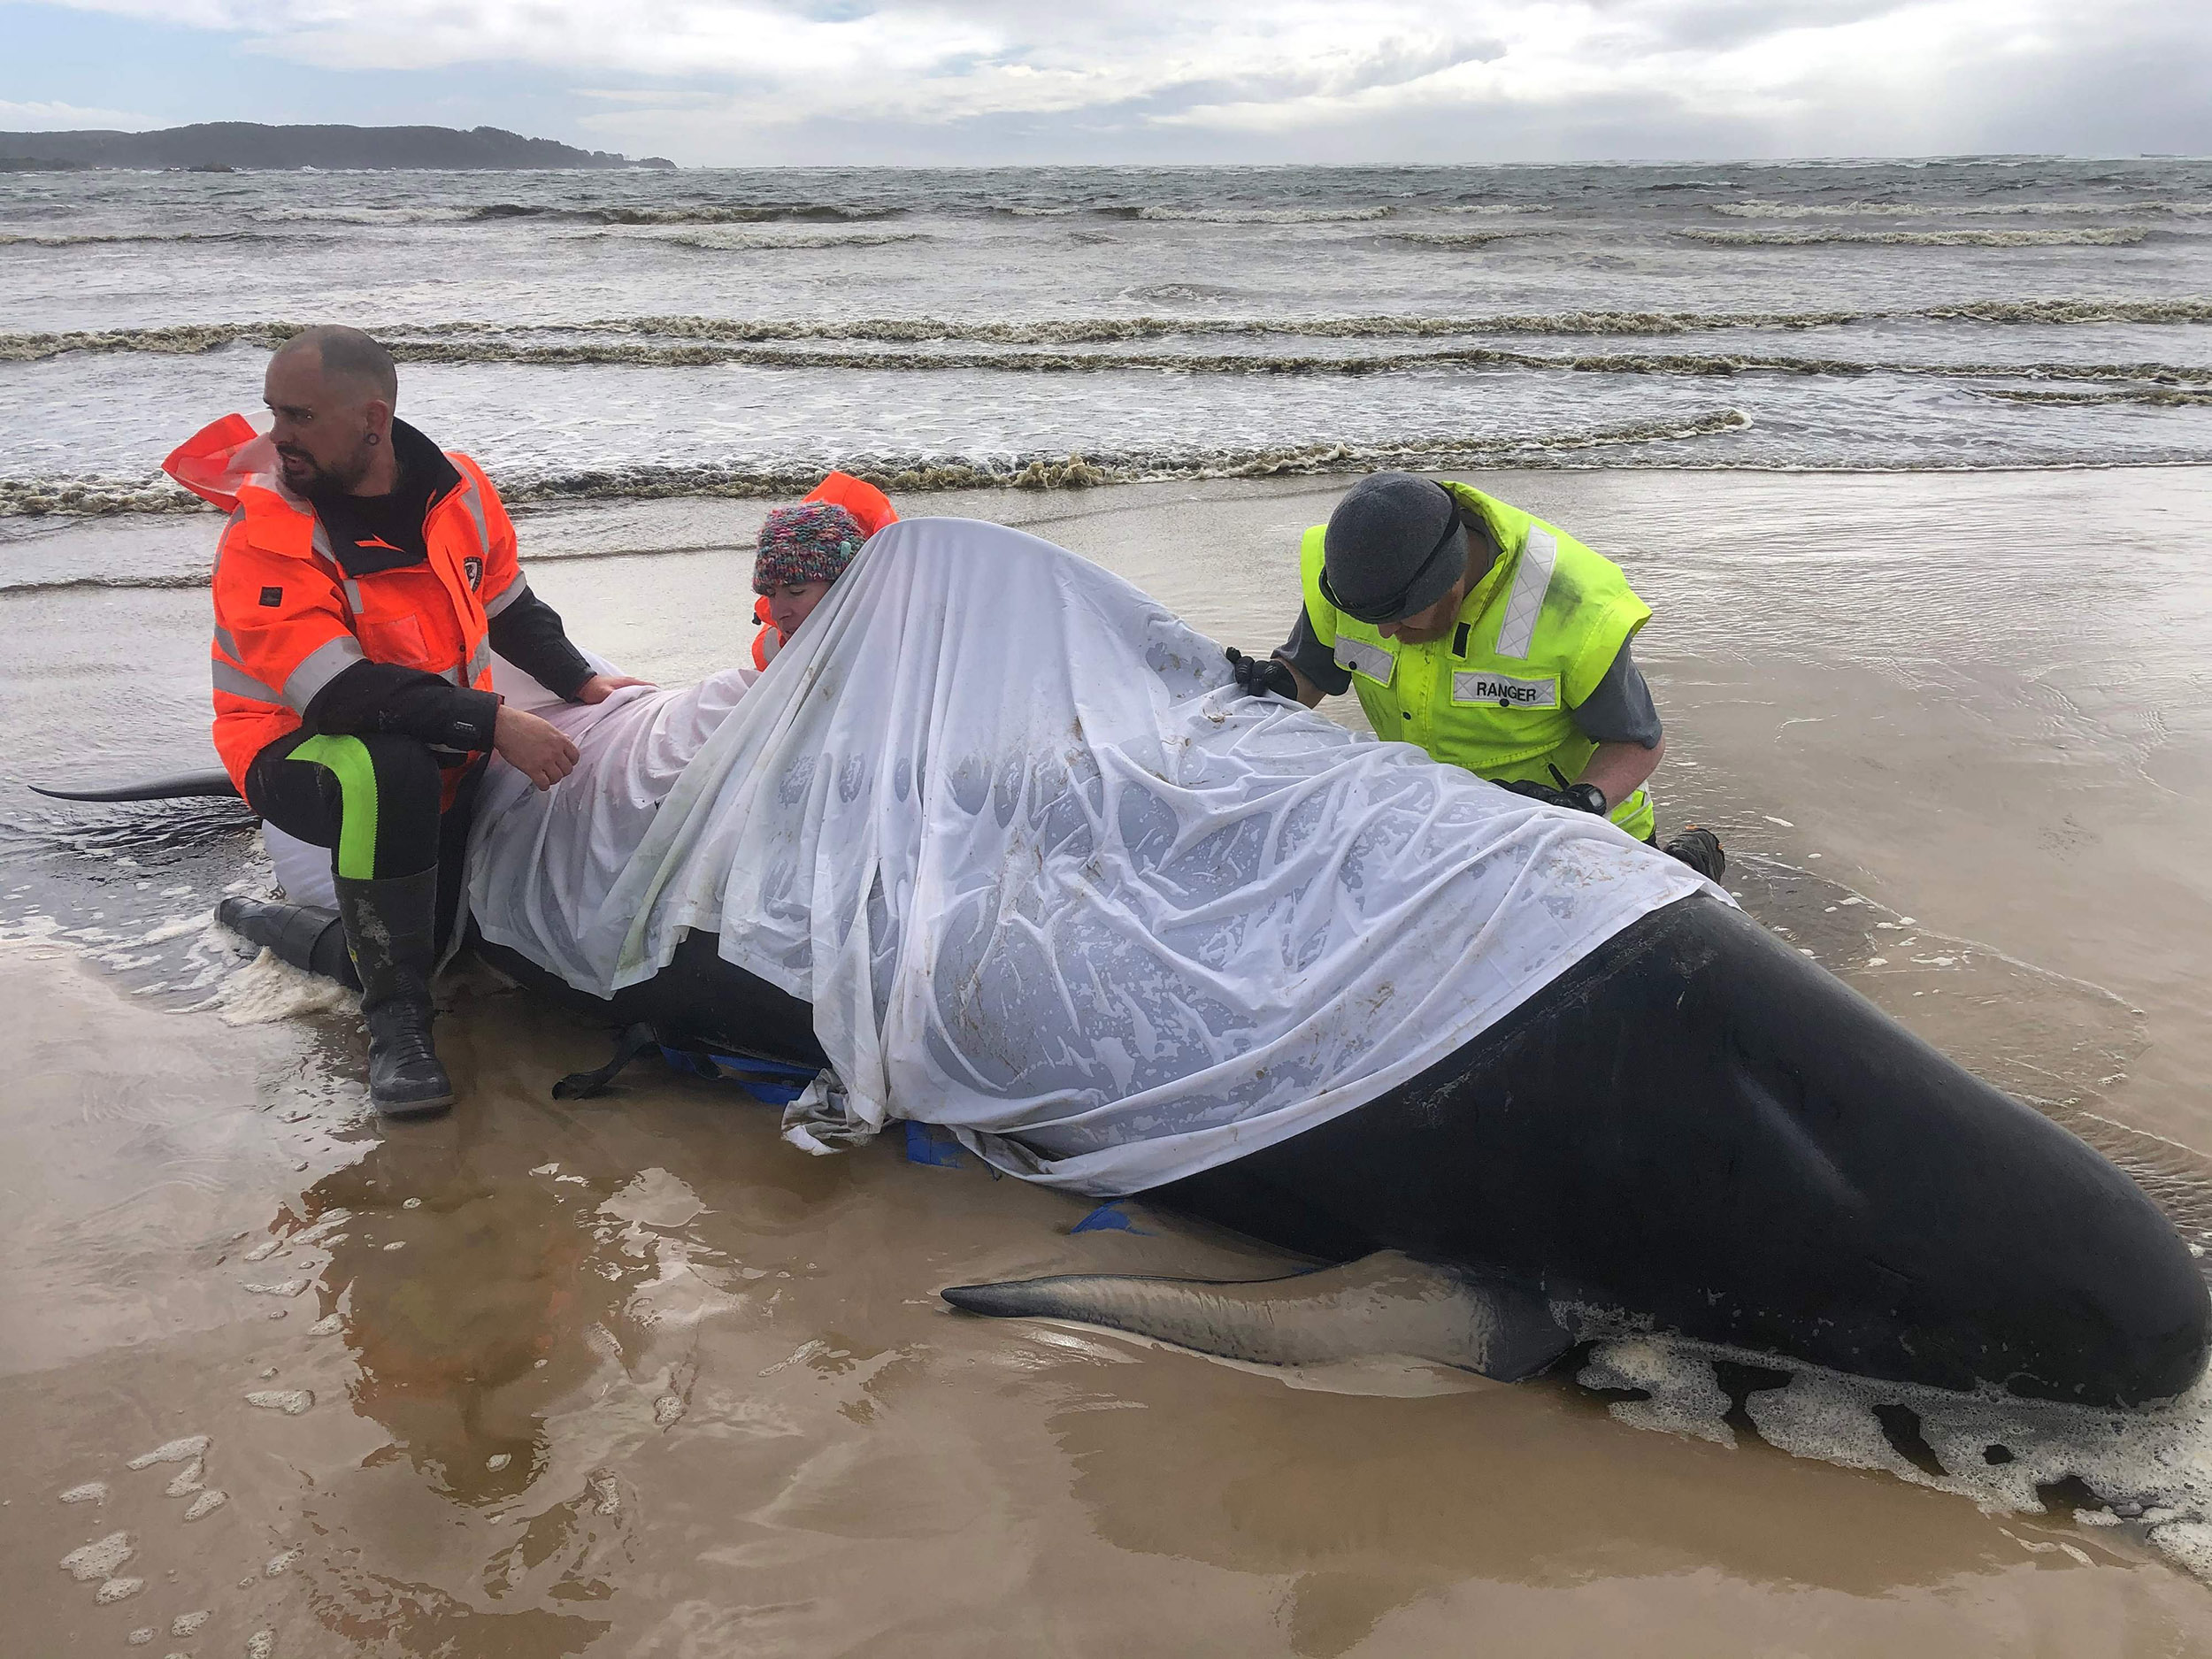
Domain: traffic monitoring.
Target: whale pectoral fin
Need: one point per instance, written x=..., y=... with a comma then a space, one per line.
x=1381, y=1304
x=186, y=787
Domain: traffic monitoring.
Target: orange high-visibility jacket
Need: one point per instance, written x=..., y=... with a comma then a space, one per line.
x=868, y=505
x=287, y=618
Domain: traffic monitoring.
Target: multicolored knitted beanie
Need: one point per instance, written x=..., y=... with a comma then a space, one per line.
x=811, y=543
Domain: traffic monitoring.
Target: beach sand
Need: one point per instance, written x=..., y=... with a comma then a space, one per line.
x=632, y=1375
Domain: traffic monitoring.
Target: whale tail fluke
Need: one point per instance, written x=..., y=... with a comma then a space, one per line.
x=1382, y=1304
x=184, y=787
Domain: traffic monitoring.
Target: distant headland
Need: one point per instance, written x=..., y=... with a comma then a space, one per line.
x=241, y=146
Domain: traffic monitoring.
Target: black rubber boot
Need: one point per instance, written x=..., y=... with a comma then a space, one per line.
x=1700, y=849
x=306, y=935
x=391, y=924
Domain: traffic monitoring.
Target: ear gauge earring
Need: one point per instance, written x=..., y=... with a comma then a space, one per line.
x=372, y=438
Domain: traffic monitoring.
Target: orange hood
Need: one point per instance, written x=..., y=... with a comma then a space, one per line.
x=870, y=507
x=215, y=462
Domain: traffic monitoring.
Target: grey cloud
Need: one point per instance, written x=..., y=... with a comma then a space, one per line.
x=1717, y=25
x=2120, y=98
x=1282, y=80
x=1392, y=66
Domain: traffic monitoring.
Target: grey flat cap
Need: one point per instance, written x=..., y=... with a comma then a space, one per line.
x=1392, y=548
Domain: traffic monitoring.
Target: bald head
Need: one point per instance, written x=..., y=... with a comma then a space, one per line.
x=332, y=390
x=349, y=358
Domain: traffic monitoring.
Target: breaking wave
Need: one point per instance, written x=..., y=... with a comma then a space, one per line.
x=1260, y=362
x=1070, y=331
x=94, y=497
x=737, y=214
x=1936, y=209
x=91, y=239
x=1178, y=292
x=1455, y=238
x=79, y=584
x=757, y=242
x=1137, y=467
x=366, y=216
x=498, y=213
x=1253, y=215
x=467, y=344
x=182, y=339
x=2102, y=237
x=2068, y=311
x=2155, y=396
x=191, y=339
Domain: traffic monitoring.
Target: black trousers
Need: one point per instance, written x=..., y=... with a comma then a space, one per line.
x=373, y=800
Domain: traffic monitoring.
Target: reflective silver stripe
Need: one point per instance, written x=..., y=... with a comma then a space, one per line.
x=239, y=683
x=323, y=550
x=319, y=667
x=1371, y=660
x=473, y=499
x=506, y=595
x=215, y=573
x=1539, y=554
x=223, y=636
x=466, y=676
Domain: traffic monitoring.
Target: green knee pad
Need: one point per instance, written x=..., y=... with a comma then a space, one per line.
x=347, y=759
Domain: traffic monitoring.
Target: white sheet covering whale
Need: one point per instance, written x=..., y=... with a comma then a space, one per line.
x=1042, y=872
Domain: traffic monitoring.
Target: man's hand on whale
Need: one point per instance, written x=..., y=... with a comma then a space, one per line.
x=537, y=749
x=600, y=687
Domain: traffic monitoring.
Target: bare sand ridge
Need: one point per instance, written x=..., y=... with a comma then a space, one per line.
x=632, y=1375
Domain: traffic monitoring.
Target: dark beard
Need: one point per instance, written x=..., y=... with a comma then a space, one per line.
x=338, y=478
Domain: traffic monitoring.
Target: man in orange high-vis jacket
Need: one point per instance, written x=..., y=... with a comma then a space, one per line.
x=361, y=586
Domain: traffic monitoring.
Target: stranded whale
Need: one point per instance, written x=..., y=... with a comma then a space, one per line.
x=1693, y=1130
x=994, y=845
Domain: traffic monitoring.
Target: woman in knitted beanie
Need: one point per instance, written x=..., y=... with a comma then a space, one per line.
x=805, y=547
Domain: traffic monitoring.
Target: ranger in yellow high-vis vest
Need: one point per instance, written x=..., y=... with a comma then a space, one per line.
x=1489, y=638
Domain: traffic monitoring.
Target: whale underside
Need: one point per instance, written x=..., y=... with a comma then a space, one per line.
x=1693, y=1130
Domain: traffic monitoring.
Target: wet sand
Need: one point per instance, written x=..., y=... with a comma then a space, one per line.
x=632, y=1375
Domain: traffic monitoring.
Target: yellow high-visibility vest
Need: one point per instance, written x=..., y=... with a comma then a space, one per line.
x=1534, y=637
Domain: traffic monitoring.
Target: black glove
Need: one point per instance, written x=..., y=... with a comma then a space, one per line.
x=1261, y=676
x=1534, y=790
x=1576, y=797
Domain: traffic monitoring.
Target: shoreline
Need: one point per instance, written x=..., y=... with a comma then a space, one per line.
x=34, y=520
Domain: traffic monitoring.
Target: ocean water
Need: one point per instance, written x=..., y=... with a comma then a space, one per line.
x=653, y=334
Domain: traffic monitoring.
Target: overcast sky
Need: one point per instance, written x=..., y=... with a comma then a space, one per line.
x=759, y=82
